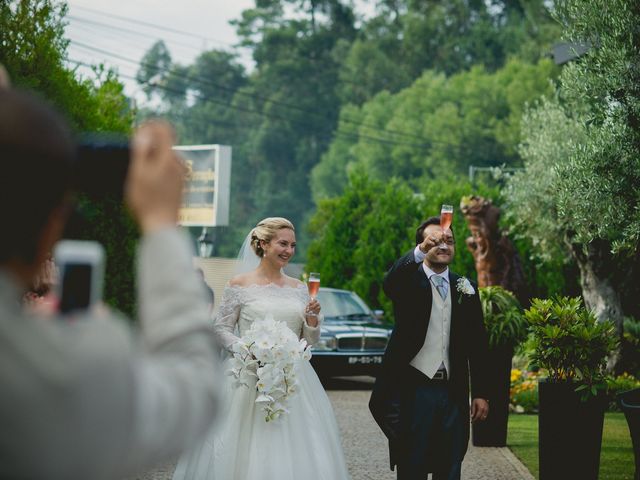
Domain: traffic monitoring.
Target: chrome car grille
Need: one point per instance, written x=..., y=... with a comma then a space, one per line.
x=376, y=343
x=361, y=343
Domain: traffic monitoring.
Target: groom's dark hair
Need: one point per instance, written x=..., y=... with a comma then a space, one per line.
x=425, y=224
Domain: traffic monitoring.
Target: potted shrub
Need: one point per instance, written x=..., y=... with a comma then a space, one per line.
x=569, y=343
x=506, y=327
x=629, y=402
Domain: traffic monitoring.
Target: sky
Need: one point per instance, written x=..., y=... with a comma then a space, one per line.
x=117, y=33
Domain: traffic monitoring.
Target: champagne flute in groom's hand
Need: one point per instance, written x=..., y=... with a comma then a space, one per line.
x=446, y=216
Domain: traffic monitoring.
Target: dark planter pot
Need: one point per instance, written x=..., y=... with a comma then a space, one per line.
x=492, y=432
x=630, y=404
x=569, y=432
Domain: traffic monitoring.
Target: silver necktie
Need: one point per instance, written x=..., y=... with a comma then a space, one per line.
x=438, y=281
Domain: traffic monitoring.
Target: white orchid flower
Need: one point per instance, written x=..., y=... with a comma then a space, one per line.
x=267, y=357
x=464, y=287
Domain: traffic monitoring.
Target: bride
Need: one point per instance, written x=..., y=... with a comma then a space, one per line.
x=304, y=443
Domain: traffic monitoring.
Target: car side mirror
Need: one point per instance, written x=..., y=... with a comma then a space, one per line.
x=378, y=314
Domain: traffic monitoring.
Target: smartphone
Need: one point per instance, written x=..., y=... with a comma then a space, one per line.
x=80, y=274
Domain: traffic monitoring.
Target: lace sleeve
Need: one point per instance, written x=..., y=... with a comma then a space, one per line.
x=312, y=334
x=224, y=324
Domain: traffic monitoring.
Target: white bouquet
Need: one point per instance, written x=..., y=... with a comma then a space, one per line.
x=268, y=354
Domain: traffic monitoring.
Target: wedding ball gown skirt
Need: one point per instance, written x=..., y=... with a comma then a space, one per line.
x=305, y=443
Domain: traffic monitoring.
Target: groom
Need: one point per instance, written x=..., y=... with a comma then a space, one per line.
x=421, y=396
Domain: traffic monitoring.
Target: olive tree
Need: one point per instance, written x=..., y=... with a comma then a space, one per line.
x=580, y=191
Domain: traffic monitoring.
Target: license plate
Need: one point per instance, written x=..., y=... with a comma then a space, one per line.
x=365, y=360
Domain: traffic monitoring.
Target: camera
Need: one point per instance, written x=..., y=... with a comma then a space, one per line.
x=101, y=165
x=98, y=175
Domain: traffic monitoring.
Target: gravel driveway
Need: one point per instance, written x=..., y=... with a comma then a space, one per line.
x=366, y=448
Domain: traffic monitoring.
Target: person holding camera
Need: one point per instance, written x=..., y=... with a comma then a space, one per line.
x=87, y=399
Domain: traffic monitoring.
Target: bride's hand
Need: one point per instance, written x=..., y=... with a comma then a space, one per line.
x=312, y=311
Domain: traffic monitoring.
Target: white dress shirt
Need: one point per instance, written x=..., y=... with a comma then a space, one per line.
x=434, y=354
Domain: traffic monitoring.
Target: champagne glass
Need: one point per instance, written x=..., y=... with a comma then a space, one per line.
x=446, y=216
x=313, y=283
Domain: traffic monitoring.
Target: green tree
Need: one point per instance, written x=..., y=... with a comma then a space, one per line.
x=439, y=125
x=366, y=70
x=358, y=235
x=404, y=38
x=605, y=82
x=155, y=66
x=33, y=49
x=549, y=137
x=583, y=151
x=313, y=58
x=279, y=120
x=293, y=98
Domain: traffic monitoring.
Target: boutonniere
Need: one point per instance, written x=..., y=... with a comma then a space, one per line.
x=464, y=287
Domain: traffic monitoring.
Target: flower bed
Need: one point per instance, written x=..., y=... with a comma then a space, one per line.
x=523, y=393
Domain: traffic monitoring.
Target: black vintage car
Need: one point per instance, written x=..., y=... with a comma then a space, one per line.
x=353, y=338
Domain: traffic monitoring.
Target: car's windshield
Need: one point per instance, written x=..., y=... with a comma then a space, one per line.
x=341, y=304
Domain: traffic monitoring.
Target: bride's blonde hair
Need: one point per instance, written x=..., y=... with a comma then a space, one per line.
x=265, y=230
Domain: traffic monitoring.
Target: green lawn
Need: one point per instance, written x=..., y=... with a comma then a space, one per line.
x=616, y=459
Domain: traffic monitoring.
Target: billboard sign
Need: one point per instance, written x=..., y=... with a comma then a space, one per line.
x=206, y=195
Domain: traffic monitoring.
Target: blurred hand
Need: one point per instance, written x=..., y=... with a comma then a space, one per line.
x=156, y=177
x=45, y=306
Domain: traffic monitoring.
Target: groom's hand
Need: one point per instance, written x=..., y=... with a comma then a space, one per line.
x=433, y=240
x=479, y=409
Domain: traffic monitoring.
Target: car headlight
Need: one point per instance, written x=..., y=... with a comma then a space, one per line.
x=326, y=343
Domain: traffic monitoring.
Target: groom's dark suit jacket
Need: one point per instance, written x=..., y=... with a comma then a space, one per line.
x=407, y=285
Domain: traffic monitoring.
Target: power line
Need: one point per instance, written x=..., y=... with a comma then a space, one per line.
x=163, y=28
x=354, y=136
x=327, y=135
x=82, y=23
x=207, y=82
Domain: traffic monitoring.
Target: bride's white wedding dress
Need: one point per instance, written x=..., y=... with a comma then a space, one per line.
x=304, y=443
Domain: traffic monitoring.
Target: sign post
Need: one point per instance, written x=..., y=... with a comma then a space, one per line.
x=206, y=196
